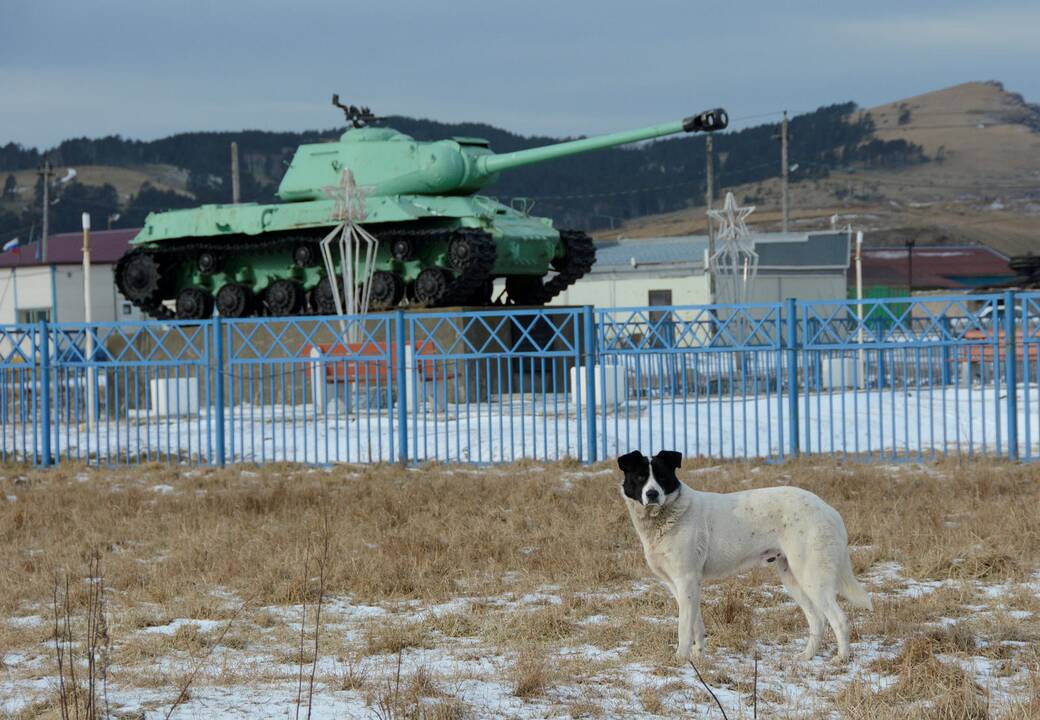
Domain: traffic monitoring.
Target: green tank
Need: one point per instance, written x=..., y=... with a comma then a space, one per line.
x=440, y=242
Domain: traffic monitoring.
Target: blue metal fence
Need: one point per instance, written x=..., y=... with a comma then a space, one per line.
x=882, y=379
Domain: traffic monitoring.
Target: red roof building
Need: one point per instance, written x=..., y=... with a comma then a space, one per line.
x=106, y=247
x=32, y=290
x=935, y=267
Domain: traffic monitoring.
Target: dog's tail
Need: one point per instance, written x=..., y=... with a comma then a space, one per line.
x=852, y=591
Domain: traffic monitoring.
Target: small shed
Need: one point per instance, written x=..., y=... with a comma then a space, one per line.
x=671, y=270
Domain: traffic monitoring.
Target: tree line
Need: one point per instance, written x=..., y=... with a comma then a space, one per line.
x=620, y=183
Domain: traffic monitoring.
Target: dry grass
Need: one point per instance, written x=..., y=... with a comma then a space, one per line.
x=436, y=533
x=532, y=672
x=482, y=539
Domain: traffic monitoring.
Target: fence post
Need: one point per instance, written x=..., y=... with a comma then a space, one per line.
x=1010, y=374
x=944, y=351
x=792, y=377
x=218, y=389
x=45, y=394
x=589, y=331
x=402, y=388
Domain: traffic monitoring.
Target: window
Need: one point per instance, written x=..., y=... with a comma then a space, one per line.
x=34, y=315
x=128, y=309
x=659, y=297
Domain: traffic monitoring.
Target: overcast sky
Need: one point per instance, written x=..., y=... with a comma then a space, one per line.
x=144, y=68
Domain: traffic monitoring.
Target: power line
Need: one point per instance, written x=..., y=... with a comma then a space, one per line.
x=976, y=126
x=948, y=186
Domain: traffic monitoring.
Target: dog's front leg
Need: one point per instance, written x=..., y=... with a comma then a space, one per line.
x=691, y=626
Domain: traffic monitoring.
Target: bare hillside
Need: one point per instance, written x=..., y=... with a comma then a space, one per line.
x=126, y=180
x=982, y=183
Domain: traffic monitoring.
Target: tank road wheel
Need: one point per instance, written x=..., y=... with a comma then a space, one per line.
x=283, y=297
x=322, y=300
x=460, y=250
x=194, y=304
x=138, y=278
x=431, y=286
x=386, y=290
x=235, y=300
x=402, y=249
x=207, y=262
x=305, y=255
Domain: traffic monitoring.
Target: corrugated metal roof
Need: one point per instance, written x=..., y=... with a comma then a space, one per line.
x=775, y=250
x=935, y=266
x=106, y=246
x=652, y=251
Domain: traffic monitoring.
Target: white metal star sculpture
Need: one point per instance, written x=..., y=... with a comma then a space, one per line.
x=357, y=248
x=348, y=198
x=735, y=262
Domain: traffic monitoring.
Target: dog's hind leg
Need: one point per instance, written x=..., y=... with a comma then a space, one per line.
x=839, y=623
x=824, y=596
x=812, y=614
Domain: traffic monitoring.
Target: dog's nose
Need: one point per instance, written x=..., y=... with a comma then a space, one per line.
x=651, y=496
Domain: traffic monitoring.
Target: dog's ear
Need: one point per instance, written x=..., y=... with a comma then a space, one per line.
x=671, y=458
x=631, y=461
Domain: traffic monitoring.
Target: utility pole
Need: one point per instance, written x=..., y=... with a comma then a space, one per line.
x=862, y=365
x=709, y=196
x=88, y=318
x=46, y=173
x=234, y=173
x=783, y=170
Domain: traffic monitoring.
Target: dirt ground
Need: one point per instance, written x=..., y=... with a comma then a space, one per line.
x=510, y=591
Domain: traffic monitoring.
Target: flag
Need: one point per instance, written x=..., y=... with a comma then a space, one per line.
x=10, y=244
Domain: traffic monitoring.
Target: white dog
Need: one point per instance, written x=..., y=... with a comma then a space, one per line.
x=690, y=536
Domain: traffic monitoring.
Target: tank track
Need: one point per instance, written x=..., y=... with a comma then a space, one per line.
x=475, y=271
x=466, y=284
x=579, y=258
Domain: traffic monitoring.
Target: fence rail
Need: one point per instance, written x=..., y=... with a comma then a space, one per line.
x=881, y=378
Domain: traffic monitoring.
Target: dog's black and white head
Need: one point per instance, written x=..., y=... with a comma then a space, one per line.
x=651, y=481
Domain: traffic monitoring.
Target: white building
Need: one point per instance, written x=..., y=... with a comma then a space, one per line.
x=627, y=273
x=671, y=271
x=32, y=290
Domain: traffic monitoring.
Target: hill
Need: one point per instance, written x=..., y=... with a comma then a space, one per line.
x=980, y=185
x=192, y=168
x=958, y=164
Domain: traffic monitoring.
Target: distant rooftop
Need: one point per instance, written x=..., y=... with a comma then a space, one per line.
x=776, y=251
x=106, y=246
x=937, y=267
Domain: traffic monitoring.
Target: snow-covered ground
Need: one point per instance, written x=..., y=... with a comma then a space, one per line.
x=476, y=678
x=604, y=644
x=887, y=423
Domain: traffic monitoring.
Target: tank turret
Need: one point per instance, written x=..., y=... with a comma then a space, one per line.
x=440, y=243
x=388, y=162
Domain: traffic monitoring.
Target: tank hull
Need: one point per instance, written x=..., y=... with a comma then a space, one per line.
x=526, y=245
x=253, y=249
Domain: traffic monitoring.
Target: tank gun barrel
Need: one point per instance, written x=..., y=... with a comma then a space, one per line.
x=389, y=163
x=708, y=121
